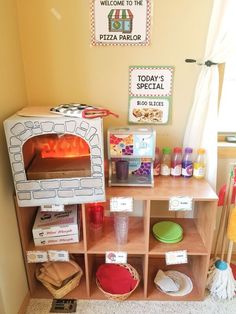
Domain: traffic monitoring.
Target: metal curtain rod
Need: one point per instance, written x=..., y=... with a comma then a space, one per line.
x=208, y=63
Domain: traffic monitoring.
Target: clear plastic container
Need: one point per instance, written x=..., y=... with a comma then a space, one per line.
x=166, y=161
x=199, y=166
x=187, y=163
x=121, y=227
x=176, y=162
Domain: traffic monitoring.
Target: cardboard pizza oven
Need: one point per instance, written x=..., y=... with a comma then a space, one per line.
x=56, y=159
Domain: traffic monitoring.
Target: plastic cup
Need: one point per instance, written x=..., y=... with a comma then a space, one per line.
x=122, y=170
x=96, y=215
x=121, y=227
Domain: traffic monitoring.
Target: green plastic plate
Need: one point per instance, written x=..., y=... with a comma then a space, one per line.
x=167, y=231
x=170, y=241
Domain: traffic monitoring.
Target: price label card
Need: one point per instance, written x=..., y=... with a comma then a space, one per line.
x=120, y=204
x=52, y=208
x=178, y=203
x=58, y=256
x=176, y=257
x=116, y=257
x=37, y=256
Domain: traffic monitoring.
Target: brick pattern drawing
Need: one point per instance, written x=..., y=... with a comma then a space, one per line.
x=56, y=191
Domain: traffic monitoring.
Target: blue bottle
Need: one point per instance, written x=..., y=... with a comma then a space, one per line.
x=187, y=163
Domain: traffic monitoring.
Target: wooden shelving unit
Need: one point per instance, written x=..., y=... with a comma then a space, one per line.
x=145, y=253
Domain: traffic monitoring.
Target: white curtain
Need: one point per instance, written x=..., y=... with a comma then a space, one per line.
x=201, y=129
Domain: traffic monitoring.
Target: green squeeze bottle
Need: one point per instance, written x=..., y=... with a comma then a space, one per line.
x=166, y=161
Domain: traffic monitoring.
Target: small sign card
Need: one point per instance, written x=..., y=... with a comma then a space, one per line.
x=58, y=256
x=121, y=204
x=150, y=92
x=116, y=257
x=178, y=203
x=151, y=81
x=176, y=257
x=52, y=208
x=37, y=256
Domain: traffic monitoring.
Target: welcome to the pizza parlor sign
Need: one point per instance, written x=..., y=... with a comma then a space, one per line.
x=120, y=22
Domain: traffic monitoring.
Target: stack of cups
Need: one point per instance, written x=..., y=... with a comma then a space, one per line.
x=121, y=226
x=96, y=213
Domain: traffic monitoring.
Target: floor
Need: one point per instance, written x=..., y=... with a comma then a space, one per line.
x=208, y=306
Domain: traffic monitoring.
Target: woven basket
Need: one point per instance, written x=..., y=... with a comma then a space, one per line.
x=122, y=297
x=59, y=293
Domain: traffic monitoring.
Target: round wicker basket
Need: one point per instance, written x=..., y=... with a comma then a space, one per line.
x=122, y=297
x=59, y=293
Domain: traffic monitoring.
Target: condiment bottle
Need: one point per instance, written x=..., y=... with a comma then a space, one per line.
x=176, y=162
x=199, y=166
x=166, y=161
x=187, y=163
x=157, y=162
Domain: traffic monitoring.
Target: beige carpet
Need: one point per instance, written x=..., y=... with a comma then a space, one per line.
x=208, y=306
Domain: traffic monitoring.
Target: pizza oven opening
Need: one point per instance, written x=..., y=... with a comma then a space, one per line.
x=54, y=156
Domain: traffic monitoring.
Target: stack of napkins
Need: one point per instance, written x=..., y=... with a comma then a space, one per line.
x=165, y=283
x=173, y=283
x=115, y=279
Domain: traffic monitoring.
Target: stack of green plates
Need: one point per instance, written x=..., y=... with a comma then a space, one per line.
x=167, y=232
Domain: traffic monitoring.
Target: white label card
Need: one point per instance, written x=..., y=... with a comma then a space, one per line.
x=178, y=203
x=121, y=204
x=37, y=256
x=52, y=208
x=116, y=257
x=58, y=256
x=176, y=257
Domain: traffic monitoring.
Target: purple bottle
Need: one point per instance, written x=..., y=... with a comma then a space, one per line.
x=187, y=163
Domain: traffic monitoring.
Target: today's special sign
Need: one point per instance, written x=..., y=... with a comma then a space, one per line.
x=150, y=92
x=120, y=22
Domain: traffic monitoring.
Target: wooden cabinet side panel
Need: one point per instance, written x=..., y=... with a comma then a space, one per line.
x=205, y=221
x=199, y=267
x=146, y=223
x=25, y=218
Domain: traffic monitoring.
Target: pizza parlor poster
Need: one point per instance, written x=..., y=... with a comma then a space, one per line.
x=150, y=92
x=120, y=22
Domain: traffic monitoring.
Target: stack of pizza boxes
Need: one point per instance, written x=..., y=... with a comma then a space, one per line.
x=57, y=227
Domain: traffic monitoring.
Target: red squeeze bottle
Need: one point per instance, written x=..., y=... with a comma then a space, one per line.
x=157, y=162
x=176, y=162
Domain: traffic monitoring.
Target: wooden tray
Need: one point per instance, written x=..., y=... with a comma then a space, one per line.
x=54, y=168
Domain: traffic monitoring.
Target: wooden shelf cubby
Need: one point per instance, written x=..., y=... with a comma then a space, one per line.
x=137, y=261
x=197, y=293
x=191, y=236
x=145, y=253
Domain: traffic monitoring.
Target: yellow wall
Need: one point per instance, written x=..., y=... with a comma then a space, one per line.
x=61, y=66
x=13, y=286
